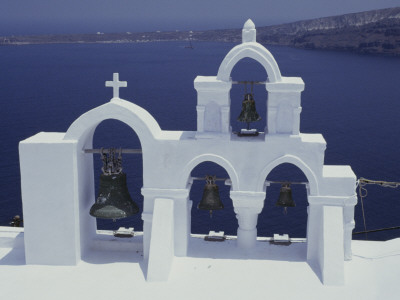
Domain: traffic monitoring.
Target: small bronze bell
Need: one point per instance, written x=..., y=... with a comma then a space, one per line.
x=285, y=197
x=211, y=200
x=113, y=200
x=249, y=113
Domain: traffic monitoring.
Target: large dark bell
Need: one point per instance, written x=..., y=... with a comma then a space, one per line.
x=211, y=199
x=248, y=113
x=113, y=200
x=285, y=196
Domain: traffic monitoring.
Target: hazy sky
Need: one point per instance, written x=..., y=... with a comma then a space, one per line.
x=86, y=16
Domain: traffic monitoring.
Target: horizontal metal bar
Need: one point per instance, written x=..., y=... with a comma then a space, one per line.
x=126, y=151
x=204, y=178
x=251, y=82
x=267, y=181
x=282, y=182
x=376, y=230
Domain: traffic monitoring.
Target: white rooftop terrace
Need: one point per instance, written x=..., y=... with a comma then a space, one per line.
x=212, y=270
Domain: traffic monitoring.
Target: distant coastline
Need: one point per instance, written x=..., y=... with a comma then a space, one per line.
x=372, y=32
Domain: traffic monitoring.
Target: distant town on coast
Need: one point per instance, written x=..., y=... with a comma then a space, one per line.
x=373, y=32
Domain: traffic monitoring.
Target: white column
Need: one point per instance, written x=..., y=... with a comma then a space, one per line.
x=210, y=90
x=287, y=90
x=50, y=200
x=271, y=119
x=161, y=252
x=225, y=119
x=296, y=120
x=331, y=246
x=200, y=117
x=348, y=226
x=247, y=206
x=247, y=231
x=147, y=227
x=314, y=233
x=182, y=217
x=325, y=237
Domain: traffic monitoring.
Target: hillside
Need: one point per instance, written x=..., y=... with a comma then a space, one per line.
x=376, y=32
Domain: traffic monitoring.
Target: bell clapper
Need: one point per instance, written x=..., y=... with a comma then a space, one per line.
x=285, y=211
x=210, y=214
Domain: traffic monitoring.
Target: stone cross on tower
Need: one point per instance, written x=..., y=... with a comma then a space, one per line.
x=116, y=84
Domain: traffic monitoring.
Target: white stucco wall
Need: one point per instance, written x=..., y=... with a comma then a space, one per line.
x=168, y=159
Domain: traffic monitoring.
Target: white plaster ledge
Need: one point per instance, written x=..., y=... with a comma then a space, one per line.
x=46, y=138
x=312, y=138
x=333, y=200
x=338, y=172
x=168, y=193
x=212, y=83
x=213, y=135
x=287, y=84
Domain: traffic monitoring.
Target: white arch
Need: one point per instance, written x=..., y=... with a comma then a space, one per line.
x=252, y=50
x=312, y=179
x=145, y=126
x=219, y=160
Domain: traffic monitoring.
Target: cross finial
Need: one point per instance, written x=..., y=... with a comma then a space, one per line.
x=116, y=84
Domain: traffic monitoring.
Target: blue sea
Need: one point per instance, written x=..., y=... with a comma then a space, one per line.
x=353, y=100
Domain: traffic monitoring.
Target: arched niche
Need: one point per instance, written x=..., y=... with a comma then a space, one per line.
x=247, y=69
x=185, y=178
x=113, y=133
x=308, y=172
x=274, y=219
x=221, y=220
x=82, y=131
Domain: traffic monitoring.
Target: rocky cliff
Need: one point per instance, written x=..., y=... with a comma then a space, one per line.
x=375, y=31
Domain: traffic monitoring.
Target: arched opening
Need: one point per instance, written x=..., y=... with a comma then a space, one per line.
x=82, y=130
x=273, y=220
x=248, y=69
x=221, y=220
x=115, y=134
